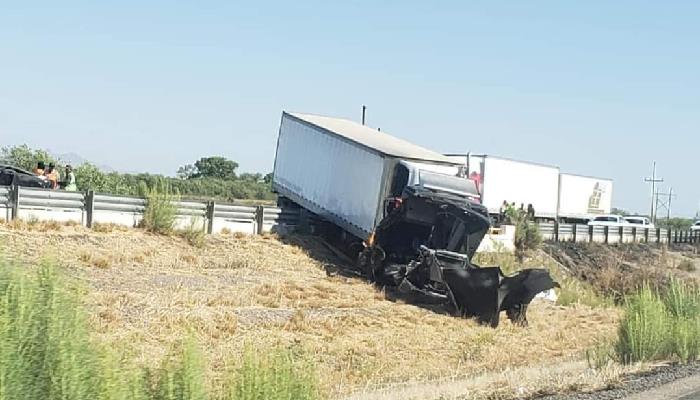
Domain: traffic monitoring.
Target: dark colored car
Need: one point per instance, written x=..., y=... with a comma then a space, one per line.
x=10, y=175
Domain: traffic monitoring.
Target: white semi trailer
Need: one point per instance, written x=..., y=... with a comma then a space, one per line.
x=583, y=197
x=520, y=182
x=346, y=172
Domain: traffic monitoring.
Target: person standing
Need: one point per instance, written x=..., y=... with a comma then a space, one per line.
x=39, y=170
x=52, y=175
x=69, y=182
x=530, y=212
x=502, y=211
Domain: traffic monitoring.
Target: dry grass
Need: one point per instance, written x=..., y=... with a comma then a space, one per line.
x=36, y=225
x=108, y=228
x=259, y=290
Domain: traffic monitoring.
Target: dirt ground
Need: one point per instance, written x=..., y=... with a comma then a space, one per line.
x=619, y=269
x=145, y=292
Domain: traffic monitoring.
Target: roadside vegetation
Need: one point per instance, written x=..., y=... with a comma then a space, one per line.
x=160, y=212
x=150, y=298
x=661, y=325
x=208, y=178
x=47, y=353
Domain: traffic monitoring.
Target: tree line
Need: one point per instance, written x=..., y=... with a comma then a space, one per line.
x=213, y=177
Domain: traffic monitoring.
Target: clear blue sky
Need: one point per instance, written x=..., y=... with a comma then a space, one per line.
x=597, y=87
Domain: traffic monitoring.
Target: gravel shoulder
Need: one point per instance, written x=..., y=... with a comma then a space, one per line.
x=644, y=385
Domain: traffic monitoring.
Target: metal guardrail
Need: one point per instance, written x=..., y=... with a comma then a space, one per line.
x=612, y=234
x=4, y=196
x=22, y=199
x=263, y=218
x=234, y=212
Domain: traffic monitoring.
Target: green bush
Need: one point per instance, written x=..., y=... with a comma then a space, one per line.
x=44, y=348
x=182, y=376
x=661, y=326
x=159, y=215
x=46, y=353
x=527, y=236
x=194, y=233
x=643, y=331
x=572, y=291
x=277, y=376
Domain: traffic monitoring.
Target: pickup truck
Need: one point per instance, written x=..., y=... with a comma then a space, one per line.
x=695, y=226
x=640, y=222
x=609, y=220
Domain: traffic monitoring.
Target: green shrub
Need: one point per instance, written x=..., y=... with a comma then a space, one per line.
x=159, y=215
x=661, y=326
x=182, y=376
x=572, y=291
x=527, y=236
x=600, y=355
x=45, y=351
x=280, y=375
x=642, y=332
x=194, y=233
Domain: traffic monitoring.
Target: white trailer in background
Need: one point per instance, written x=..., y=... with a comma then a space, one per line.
x=584, y=197
x=520, y=182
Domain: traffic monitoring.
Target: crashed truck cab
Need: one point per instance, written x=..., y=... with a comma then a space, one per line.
x=424, y=245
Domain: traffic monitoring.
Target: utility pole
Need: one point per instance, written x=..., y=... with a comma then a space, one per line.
x=364, y=109
x=653, y=180
x=664, y=200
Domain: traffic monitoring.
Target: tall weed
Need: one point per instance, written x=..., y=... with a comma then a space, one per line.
x=160, y=212
x=661, y=326
x=46, y=353
x=280, y=375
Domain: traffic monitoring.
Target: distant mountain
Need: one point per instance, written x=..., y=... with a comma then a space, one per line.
x=76, y=159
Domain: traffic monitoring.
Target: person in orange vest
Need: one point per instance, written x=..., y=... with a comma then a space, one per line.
x=39, y=170
x=52, y=175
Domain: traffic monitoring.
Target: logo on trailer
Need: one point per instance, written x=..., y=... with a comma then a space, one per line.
x=594, y=199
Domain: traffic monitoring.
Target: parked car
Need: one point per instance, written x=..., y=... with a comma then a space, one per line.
x=640, y=222
x=608, y=220
x=10, y=175
x=695, y=226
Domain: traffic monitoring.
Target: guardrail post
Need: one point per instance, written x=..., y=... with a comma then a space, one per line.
x=573, y=232
x=259, y=219
x=89, y=208
x=668, y=236
x=590, y=234
x=210, y=216
x=14, y=201
x=556, y=231
x=646, y=235
x=621, y=233
x=634, y=234
x=606, y=230
x=658, y=235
